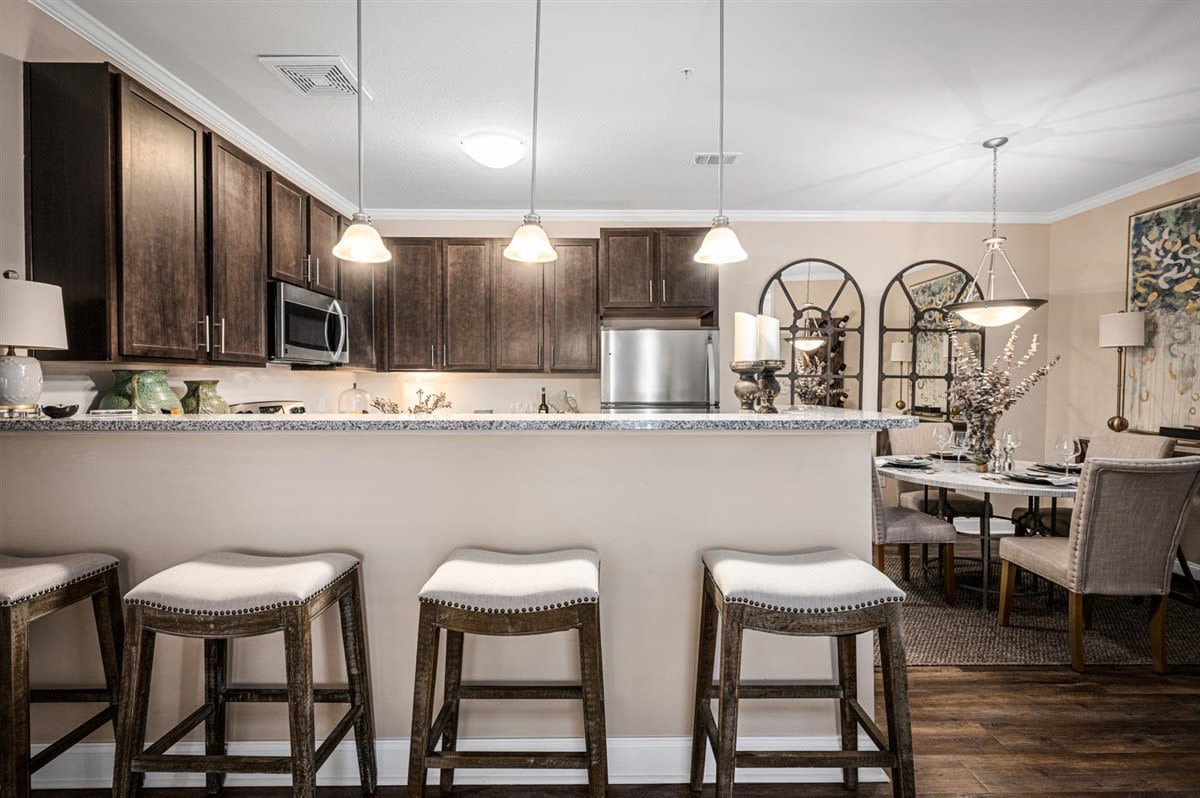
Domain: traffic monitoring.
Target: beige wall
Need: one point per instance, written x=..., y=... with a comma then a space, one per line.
x=12, y=181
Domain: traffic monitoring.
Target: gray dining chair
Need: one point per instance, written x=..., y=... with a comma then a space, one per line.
x=902, y=527
x=1125, y=527
x=1103, y=444
x=919, y=440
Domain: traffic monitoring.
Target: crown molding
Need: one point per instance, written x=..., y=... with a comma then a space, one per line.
x=1189, y=167
x=157, y=77
x=702, y=217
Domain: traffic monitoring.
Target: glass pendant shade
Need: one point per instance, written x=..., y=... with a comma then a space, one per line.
x=361, y=243
x=721, y=245
x=530, y=244
x=995, y=312
x=808, y=343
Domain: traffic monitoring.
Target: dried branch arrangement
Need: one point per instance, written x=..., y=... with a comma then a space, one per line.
x=426, y=404
x=990, y=389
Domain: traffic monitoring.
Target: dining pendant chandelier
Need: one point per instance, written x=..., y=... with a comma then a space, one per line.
x=721, y=244
x=808, y=340
x=989, y=311
x=530, y=243
x=361, y=242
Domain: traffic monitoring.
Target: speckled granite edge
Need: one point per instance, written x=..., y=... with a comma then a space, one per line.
x=798, y=421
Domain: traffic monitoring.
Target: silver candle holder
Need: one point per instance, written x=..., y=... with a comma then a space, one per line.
x=757, y=386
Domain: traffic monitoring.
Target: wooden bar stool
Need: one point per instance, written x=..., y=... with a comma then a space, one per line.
x=30, y=588
x=491, y=593
x=825, y=593
x=222, y=596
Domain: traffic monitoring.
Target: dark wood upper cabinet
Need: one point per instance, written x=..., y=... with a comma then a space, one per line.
x=414, y=305
x=572, y=311
x=466, y=304
x=359, y=288
x=323, y=234
x=289, y=232
x=627, y=268
x=682, y=282
x=238, y=254
x=518, y=317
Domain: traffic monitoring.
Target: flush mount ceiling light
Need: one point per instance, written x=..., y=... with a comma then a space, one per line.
x=493, y=150
x=989, y=311
x=721, y=245
x=530, y=243
x=361, y=242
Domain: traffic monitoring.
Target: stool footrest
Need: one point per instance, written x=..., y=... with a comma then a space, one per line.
x=83, y=695
x=548, y=690
x=186, y=763
x=180, y=730
x=507, y=759
x=814, y=759
x=336, y=734
x=868, y=724
x=760, y=689
x=279, y=695
x=47, y=754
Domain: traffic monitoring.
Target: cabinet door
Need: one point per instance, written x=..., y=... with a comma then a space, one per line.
x=518, y=315
x=162, y=228
x=238, y=192
x=683, y=283
x=289, y=232
x=627, y=259
x=323, y=235
x=414, y=305
x=466, y=304
x=573, y=319
x=356, y=291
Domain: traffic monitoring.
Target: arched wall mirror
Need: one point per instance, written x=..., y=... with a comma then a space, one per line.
x=915, y=367
x=820, y=312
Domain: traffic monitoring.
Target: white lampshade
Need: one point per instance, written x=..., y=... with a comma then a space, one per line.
x=361, y=243
x=1122, y=329
x=530, y=244
x=721, y=245
x=900, y=352
x=31, y=315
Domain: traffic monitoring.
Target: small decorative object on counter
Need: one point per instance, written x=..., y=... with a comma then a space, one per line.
x=984, y=393
x=143, y=390
x=31, y=317
x=543, y=407
x=426, y=404
x=202, y=398
x=354, y=400
x=565, y=403
x=768, y=386
x=385, y=405
x=746, y=388
x=60, y=411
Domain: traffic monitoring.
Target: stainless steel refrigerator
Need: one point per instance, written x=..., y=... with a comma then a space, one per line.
x=658, y=371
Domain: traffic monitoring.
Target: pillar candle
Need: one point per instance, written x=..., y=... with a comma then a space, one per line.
x=768, y=338
x=745, y=337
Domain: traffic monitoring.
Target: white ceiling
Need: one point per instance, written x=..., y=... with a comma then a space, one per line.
x=837, y=106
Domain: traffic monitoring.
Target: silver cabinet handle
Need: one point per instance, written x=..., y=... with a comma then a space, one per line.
x=307, y=268
x=222, y=324
x=207, y=335
x=663, y=296
x=318, y=278
x=432, y=361
x=651, y=284
x=444, y=357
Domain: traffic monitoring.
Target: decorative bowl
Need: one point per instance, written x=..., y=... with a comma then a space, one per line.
x=60, y=411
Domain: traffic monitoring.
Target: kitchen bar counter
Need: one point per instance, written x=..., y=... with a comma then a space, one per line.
x=800, y=419
x=649, y=493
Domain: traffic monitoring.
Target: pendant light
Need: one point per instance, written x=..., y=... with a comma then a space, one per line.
x=721, y=245
x=361, y=242
x=810, y=340
x=989, y=311
x=530, y=243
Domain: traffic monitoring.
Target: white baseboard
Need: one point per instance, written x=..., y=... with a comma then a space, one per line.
x=631, y=760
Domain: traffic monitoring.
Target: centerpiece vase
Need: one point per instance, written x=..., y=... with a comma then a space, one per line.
x=981, y=437
x=145, y=390
x=202, y=398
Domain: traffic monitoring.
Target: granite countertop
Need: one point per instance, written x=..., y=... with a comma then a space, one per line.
x=799, y=419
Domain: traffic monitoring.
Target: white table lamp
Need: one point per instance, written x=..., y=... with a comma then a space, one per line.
x=1118, y=331
x=31, y=317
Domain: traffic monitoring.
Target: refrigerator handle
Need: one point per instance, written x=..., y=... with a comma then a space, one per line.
x=710, y=382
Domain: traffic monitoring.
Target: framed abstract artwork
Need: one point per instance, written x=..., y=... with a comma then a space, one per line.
x=1161, y=385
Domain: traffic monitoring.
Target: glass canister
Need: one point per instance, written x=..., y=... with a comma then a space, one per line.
x=354, y=400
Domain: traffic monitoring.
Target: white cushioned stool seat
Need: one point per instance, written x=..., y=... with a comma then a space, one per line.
x=820, y=581
x=227, y=583
x=494, y=581
x=23, y=578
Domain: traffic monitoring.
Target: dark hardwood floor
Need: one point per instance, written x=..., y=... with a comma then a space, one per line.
x=983, y=731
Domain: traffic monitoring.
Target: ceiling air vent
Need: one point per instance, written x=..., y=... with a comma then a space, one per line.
x=711, y=158
x=314, y=75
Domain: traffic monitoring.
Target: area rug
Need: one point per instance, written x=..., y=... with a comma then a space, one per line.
x=937, y=634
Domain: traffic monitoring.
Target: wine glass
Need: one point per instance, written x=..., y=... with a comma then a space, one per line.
x=960, y=444
x=1067, y=446
x=942, y=436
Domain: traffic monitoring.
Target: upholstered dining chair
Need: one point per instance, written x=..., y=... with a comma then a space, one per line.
x=919, y=440
x=1125, y=526
x=1103, y=444
x=903, y=526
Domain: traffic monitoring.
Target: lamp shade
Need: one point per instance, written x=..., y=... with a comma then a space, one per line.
x=900, y=352
x=31, y=315
x=721, y=245
x=361, y=244
x=1122, y=329
x=530, y=244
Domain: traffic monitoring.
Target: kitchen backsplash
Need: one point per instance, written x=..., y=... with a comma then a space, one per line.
x=84, y=383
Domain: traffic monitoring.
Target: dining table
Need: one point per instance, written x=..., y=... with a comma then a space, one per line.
x=963, y=477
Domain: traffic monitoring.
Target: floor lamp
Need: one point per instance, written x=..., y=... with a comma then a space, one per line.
x=1120, y=331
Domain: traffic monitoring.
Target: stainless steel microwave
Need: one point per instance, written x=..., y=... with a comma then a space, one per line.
x=307, y=327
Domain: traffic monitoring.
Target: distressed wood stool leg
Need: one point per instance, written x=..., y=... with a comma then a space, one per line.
x=14, y=703
x=847, y=651
x=358, y=677
x=895, y=696
x=454, y=663
x=216, y=666
x=109, y=613
x=297, y=642
x=136, y=666
x=591, y=672
x=731, y=670
x=423, y=686
x=705, y=657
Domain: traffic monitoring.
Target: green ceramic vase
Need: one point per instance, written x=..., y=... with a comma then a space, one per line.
x=202, y=398
x=146, y=390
